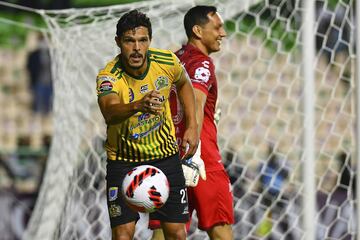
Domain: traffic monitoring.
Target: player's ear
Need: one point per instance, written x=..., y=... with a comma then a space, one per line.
x=197, y=30
x=117, y=40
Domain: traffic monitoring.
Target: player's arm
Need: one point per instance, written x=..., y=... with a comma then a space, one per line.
x=200, y=100
x=115, y=112
x=186, y=95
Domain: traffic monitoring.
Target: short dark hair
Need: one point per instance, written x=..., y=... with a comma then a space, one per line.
x=132, y=20
x=197, y=15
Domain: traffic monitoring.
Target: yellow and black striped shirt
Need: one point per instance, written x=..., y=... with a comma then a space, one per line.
x=143, y=136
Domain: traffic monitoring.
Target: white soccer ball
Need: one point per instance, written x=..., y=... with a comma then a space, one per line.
x=145, y=188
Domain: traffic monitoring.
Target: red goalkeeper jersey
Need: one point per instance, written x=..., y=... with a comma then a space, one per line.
x=201, y=71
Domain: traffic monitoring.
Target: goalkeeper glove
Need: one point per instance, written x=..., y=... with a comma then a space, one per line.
x=193, y=167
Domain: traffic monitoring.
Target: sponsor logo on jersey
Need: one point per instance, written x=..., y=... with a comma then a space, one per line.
x=144, y=116
x=161, y=82
x=144, y=88
x=186, y=210
x=106, y=78
x=136, y=136
x=145, y=119
x=105, y=86
x=131, y=95
x=113, y=193
x=114, y=210
x=202, y=74
x=205, y=64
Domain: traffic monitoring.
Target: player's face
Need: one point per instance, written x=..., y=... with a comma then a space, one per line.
x=134, y=45
x=213, y=32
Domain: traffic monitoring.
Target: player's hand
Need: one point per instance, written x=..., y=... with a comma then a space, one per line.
x=190, y=142
x=193, y=167
x=150, y=103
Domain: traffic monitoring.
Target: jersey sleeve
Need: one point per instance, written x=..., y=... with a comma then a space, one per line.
x=106, y=83
x=201, y=74
x=178, y=68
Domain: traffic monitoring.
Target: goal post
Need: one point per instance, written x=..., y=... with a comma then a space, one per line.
x=357, y=104
x=308, y=52
x=268, y=84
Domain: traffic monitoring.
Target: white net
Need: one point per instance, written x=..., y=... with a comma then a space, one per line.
x=260, y=130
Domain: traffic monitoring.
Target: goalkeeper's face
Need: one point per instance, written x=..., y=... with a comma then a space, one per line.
x=212, y=33
x=134, y=45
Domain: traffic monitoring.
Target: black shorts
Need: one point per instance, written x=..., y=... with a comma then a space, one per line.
x=175, y=209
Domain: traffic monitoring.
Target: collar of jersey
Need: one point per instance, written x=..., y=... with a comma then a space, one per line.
x=193, y=48
x=142, y=76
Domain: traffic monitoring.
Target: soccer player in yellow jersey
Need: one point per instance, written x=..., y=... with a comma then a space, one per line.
x=133, y=91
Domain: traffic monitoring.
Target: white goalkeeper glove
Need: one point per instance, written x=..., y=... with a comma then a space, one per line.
x=193, y=167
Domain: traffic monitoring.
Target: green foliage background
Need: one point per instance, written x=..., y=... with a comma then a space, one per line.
x=13, y=36
x=261, y=20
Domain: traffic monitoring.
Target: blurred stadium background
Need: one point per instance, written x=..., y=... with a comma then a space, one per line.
x=268, y=127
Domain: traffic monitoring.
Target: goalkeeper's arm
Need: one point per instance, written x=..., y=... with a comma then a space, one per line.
x=194, y=166
x=186, y=95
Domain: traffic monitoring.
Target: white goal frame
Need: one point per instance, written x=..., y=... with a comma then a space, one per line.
x=308, y=52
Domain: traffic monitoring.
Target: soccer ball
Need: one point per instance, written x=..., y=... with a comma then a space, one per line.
x=145, y=188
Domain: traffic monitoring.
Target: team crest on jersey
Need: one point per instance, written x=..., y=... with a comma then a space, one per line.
x=105, y=86
x=131, y=95
x=202, y=74
x=113, y=193
x=161, y=82
x=144, y=88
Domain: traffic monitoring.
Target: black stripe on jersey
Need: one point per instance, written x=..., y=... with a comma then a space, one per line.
x=172, y=140
x=173, y=147
x=148, y=146
x=124, y=152
x=136, y=152
x=126, y=148
x=118, y=146
x=116, y=66
x=154, y=149
x=168, y=135
x=133, y=151
x=162, y=62
x=161, y=140
x=164, y=133
x=160, y=53
x=143, y=154
x=173, y=144
x=119, y=74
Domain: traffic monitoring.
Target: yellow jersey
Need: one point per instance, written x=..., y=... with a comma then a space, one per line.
x=143, y=136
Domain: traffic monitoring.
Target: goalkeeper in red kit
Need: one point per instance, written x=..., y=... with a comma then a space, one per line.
x=211, y=195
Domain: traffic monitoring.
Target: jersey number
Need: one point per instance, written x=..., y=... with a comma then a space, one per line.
x=183, y=195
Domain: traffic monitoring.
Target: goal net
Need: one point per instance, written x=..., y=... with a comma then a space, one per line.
x=261, y=128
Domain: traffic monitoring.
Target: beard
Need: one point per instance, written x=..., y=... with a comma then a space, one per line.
x=136, y=55
x=126, y=61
